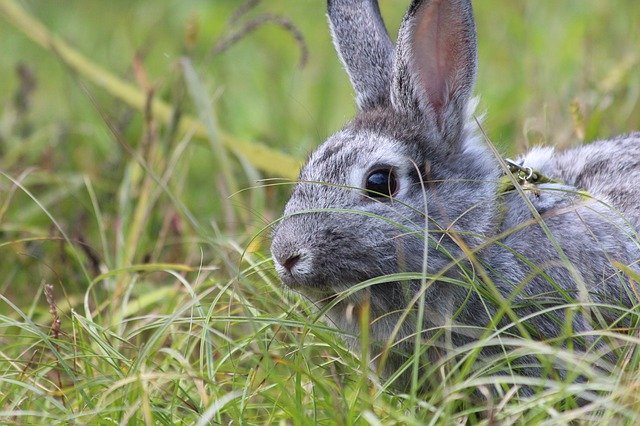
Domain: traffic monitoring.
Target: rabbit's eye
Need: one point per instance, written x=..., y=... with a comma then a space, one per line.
x=381, y=183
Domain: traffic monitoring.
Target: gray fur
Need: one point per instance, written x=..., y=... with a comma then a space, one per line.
x=364, y=47
x=450, y=185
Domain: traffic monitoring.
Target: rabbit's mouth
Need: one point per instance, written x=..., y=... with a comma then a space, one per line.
x=316, y=288
x=312, y=274
x=323, y=290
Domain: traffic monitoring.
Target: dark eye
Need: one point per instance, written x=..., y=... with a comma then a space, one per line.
x=381, y=183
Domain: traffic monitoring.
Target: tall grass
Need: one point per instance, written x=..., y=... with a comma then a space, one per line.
x=136, y=284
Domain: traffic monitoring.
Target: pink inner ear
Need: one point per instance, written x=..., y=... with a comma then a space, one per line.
x=438, y=50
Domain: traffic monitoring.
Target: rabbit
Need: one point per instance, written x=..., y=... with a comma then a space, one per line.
x=410, y=186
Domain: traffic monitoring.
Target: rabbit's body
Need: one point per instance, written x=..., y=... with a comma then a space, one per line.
x=408, y=186
x=609, y=170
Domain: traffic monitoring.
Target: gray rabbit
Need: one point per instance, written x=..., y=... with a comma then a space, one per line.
x=410, y=186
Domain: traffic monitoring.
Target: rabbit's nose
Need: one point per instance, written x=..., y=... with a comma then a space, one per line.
x=291, y=257
x=294, y=261
x=288, y=260
x=291, y=261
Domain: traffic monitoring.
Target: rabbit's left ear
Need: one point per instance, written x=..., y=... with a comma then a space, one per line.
x=435, y=64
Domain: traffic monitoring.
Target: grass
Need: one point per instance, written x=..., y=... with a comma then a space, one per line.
x=135, y=279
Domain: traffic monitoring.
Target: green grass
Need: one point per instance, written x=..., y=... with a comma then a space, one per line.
x=154, y=236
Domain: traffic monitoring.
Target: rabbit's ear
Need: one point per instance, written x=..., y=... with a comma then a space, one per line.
x=364, y=47
x=435, y=64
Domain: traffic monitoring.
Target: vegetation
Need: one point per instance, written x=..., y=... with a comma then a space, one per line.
x=141, y=162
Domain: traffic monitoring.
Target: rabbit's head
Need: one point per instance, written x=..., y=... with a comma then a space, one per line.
x=388, y=192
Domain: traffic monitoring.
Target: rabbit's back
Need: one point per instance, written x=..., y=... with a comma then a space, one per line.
x=609, y=170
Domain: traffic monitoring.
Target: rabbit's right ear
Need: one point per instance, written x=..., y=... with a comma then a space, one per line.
x=364, y=47
x=435, y=65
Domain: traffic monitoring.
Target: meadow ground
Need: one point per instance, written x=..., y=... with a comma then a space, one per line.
x=137, y=152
